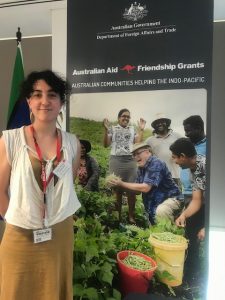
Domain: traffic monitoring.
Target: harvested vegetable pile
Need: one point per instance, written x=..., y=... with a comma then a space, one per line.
x=167, y=237
x=137, y=262
x=109, y=178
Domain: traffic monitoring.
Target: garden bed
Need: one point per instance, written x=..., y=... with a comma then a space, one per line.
x=99, y=236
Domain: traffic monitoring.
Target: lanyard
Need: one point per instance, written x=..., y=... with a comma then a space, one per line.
x=44, y=179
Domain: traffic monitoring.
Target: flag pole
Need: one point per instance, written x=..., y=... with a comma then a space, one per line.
x=18, y=113
x=19, y=36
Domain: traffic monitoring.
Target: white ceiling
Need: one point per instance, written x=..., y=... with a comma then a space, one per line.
x=219, y=10
x=34, y=16
x=33, y=19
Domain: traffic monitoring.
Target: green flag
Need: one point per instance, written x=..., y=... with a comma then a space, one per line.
x=17, y=79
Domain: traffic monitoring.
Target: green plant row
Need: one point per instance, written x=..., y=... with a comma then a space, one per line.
x=98, y=234
x=98, y=239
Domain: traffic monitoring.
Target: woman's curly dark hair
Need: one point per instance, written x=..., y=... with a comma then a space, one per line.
x=58, y=84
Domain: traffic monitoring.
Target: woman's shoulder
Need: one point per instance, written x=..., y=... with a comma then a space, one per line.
x=15, y=135
x=70, y=141
x=68, y=135
x=13, y=131
x=14, y=141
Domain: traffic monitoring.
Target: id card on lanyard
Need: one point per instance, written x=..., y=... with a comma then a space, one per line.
x=44, y=234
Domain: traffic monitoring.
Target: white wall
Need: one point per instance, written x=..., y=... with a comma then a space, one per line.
x=59, y=49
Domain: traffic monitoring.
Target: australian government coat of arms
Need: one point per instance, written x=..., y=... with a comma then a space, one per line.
x=135, y=12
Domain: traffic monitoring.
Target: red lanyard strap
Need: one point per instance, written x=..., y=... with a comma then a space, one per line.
x=44, y=179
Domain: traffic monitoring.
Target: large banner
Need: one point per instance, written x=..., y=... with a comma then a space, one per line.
x=128, y=45
x=151, y=58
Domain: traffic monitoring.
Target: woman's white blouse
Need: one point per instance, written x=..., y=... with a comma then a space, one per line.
x=26, y=198
x=122, y=139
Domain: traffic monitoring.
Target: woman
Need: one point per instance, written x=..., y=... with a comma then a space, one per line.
x=121, y=138
x=38, y=165
x=88, y=172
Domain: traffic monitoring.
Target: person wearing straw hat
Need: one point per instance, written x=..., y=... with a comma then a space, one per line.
x=160, y=194
x=88, y=171
x=163, y=136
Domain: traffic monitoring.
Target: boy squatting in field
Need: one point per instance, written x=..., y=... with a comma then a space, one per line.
x=185, y=155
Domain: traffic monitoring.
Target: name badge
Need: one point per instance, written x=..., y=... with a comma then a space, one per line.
x=42, y=235
x=61, y=169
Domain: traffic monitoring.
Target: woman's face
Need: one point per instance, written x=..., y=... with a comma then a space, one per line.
x=44, y=103
x=124, y=119
x=83, y=151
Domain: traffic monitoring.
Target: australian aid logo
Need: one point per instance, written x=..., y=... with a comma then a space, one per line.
x=127, y=68
x=131, y=69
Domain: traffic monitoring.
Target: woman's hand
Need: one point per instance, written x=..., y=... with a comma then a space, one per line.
x=141, y=124
x=106, y=124
x=181, y=220
x=107, y=139
x=201, y=234
x=141, y=127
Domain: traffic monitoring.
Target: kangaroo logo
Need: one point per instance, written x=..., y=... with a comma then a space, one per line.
x=128, y=68
x=135, y=12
